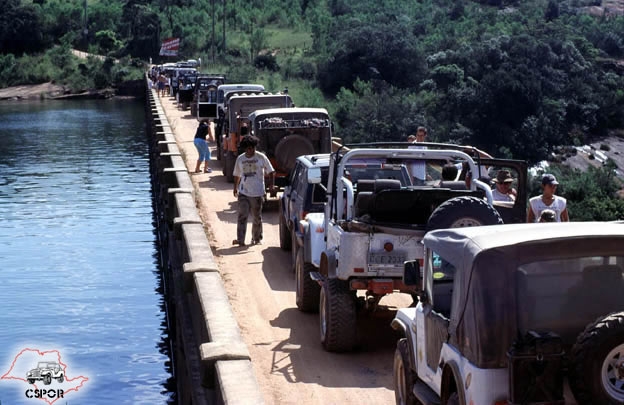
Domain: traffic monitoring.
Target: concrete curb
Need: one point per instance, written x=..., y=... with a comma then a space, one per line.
x=202, y=304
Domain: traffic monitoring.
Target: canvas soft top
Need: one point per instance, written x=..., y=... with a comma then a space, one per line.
x=483, y=321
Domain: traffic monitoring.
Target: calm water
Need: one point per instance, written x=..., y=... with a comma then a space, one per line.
x=78, y=252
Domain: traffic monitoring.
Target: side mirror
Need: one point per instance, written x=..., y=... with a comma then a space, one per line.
x=411, y=274
x=314, y=175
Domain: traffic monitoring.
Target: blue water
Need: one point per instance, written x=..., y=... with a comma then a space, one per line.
x=78, y=251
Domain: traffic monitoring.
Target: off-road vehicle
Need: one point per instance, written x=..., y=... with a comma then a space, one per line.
x=46, y=371
x=515, y=314
x=204, y=104
x=239, y=108
x=222, y=123
x=370, y=228
x=287, y=133
x=186, y=89
x=302, y=198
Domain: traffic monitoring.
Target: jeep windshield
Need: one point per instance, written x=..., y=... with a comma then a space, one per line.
x=563, y=296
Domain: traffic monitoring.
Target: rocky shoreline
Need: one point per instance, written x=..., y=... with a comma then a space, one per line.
x=52, y=91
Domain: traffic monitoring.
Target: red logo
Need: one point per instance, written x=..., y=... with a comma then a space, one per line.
x=45, y=374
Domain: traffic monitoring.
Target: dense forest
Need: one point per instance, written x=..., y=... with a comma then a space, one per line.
x=515, y=78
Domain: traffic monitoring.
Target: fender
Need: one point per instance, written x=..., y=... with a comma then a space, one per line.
x=403, y=329
x=313, y=237
x=451, y=375
x=328, y=264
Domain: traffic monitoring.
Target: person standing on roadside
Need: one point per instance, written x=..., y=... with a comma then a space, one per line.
x=162, y=80
x=201, y=144
x=249, y=187
x=418, y=168
x=548, y=200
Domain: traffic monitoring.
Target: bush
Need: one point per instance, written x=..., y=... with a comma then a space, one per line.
x=604, y=146
x=266, y=62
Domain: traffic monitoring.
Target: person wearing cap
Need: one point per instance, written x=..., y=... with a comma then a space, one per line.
x=503, y=190
x=548, y=200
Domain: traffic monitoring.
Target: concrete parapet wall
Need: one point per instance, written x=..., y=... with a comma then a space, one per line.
x=212, y=362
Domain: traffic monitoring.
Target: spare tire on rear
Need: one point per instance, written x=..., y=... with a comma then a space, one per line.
x=288, y=149
x=596, y=369
x=462, y=212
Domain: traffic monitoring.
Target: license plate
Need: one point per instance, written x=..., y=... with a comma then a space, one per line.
x=385, y=258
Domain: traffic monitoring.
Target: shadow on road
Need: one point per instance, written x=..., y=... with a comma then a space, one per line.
x=301, y=357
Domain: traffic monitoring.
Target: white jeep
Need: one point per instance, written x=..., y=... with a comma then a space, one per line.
x=371, y=227
x=515, y=314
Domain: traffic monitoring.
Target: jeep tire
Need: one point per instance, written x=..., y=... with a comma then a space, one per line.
x=338, y=316
x=60, y=379
x=403, y=375
x=284, y=233
x=462, y=212
x=31, y=380
x=596, y=369
x=308, y=291
x=47, y=379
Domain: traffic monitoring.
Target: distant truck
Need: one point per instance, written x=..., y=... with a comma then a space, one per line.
x=186, y=87
x=238, y=125
x=287, y=133
x=224, y=93
x=204, y=104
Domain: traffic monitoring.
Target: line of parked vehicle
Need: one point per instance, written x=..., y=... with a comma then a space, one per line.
x=512, y=314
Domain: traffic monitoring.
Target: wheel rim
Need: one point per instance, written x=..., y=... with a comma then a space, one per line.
x=323, y=315
x=613, y=373
x=465, y=222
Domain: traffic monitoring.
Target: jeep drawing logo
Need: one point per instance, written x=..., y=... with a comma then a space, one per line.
x=45, y=374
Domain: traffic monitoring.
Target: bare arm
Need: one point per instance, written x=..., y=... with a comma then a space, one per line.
x=564, y=215
x=530, y=216
x=211, y=137
x=236, y=182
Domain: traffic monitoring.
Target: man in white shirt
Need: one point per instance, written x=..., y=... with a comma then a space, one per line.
x=418, y=168
x=548, y=200
x=249, y=171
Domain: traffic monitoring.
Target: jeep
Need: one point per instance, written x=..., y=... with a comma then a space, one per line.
x=204, y=103
x=300, y=198
x=514, y=314
x=370, y=228
x=240, y=106
x=287, y=133
x=46, y=371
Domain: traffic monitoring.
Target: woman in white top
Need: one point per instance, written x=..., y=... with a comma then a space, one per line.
x=548, y=200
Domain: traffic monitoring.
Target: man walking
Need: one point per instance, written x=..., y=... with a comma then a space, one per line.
x=249, y=171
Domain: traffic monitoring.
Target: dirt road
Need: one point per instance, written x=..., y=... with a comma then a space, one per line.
x=290, y=364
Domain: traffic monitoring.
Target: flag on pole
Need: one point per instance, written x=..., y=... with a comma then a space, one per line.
x=170, y=47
